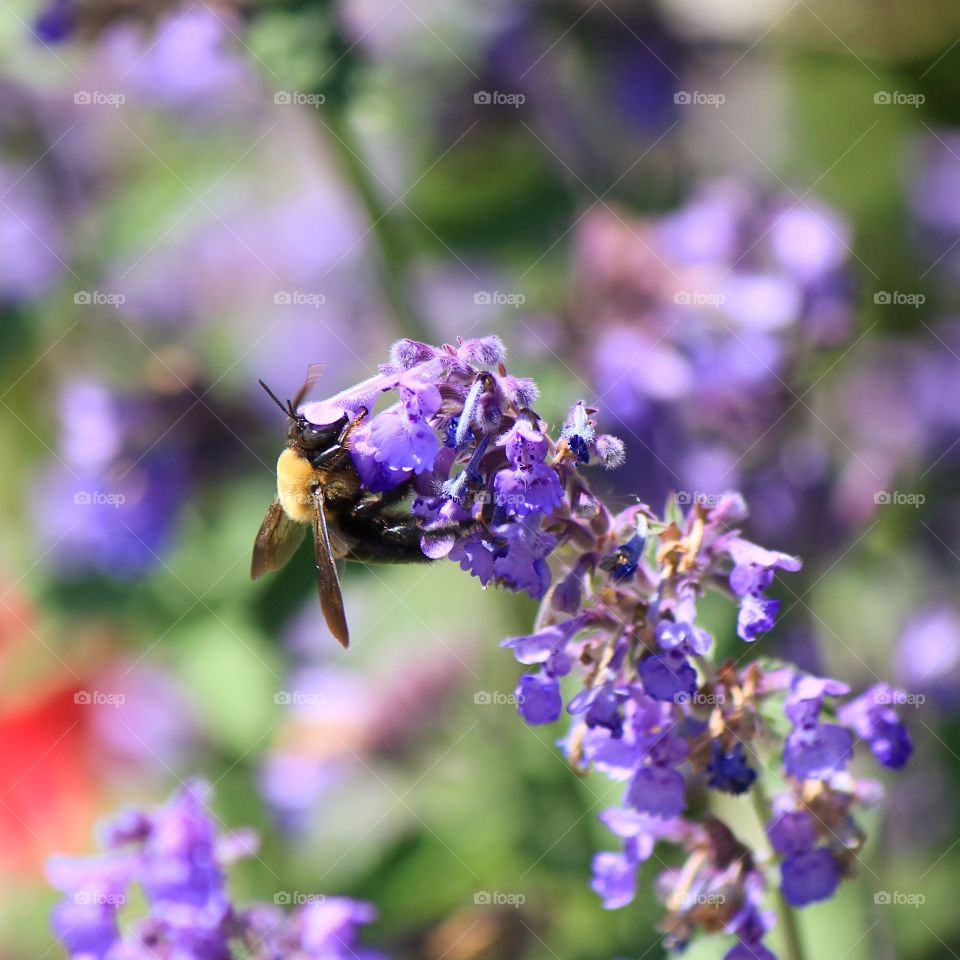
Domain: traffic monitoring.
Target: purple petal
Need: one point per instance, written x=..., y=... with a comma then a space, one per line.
x=817, y=752
x=538, y=699
x=614, y=879
x=809, y=877
x=658, y=791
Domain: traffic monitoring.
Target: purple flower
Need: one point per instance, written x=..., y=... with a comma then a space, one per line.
x=624, y=616
x=332, y=928
x=544, y=647
x=528, y=485
x=816, y=751
x=614, y=879
x=86, y=922
x=176, y=856
x=810, y=876
x=682, y=636
x=476, y=555
x=398, y=441
x=757, y=615
x=525, y=490
x=658, y=791
x=668, y=676
x=729, y=771
x=538, y=698
x=806, y=696
x=753, y=572
x=178, y=866
x=792, y=832
x=522, y=563
x=600, y=707
x=872, y=717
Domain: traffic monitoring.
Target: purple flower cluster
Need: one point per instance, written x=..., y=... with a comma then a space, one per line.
x=496, y=494
x=178, y=860
x=506, y=500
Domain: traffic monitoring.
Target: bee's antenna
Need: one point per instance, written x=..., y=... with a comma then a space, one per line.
x=286, y=408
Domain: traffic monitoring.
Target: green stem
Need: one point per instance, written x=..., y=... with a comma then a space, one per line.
x=392, y=248
x=786, y=914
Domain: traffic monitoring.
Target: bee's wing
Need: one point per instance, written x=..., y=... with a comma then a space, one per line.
x=314, y=373
x=276, y=542
x=328, y=583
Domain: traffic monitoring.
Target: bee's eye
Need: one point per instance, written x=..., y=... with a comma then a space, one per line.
x=311, y=436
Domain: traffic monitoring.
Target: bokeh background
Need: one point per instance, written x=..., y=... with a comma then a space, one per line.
x=734, y=227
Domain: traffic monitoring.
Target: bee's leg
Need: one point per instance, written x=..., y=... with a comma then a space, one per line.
x=376, y=502
x=338, y=455
x=352, y=425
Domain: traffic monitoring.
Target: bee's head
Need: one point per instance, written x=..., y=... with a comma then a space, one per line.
x=313, y=437
x=301, y=433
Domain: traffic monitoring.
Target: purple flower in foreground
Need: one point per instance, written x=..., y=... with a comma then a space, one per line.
x=399, y=441
x=176, y=856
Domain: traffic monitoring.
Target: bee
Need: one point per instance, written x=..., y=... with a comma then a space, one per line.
x=318, y=486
